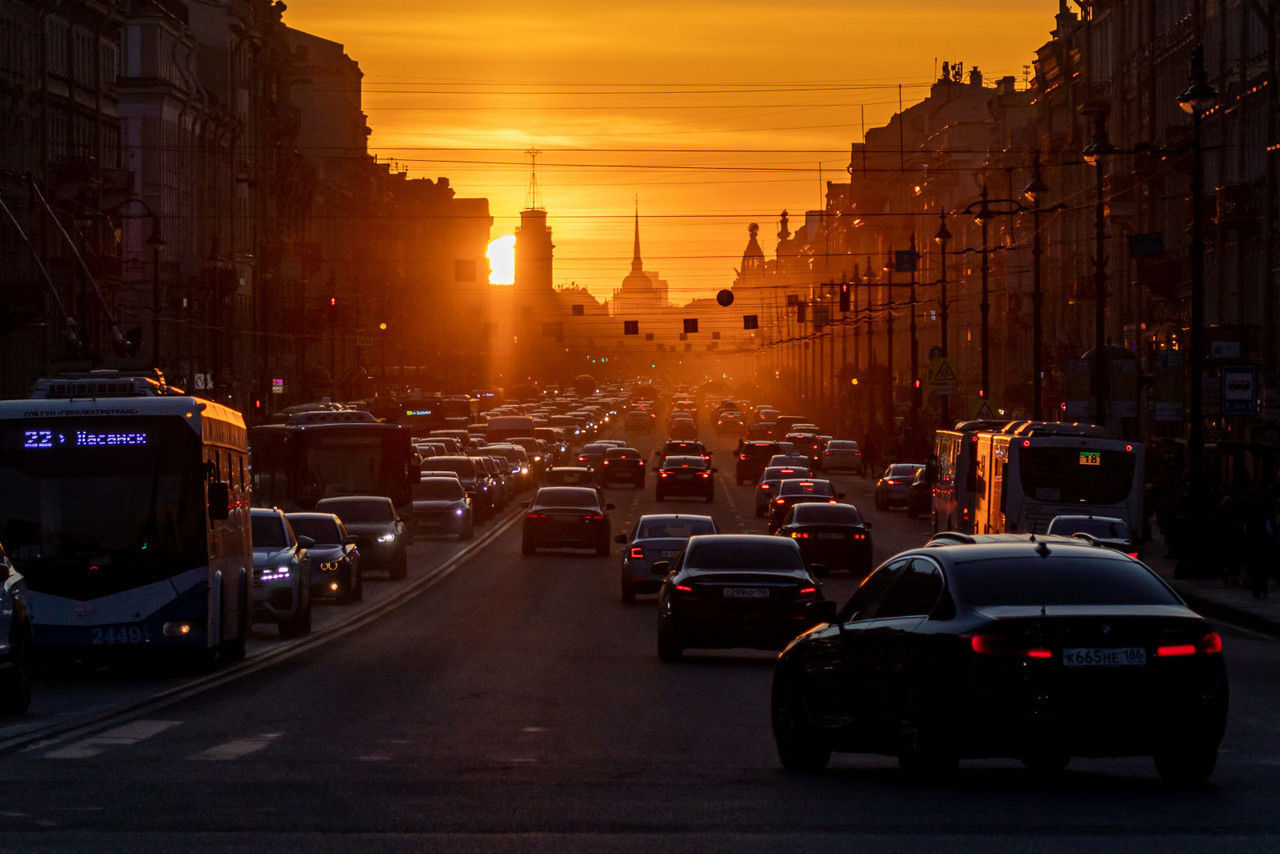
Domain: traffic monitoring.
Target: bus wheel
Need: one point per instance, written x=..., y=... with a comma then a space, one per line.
x=15, y=689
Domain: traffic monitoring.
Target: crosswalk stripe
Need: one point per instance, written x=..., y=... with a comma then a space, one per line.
x=238, y=748
x=122, y=736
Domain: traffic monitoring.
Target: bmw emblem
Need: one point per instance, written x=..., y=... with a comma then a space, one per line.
x=1106, y=629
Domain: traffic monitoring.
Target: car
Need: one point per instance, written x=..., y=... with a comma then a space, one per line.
x=751, y=457
x=442, y=506
x=281, y=589
x=335, y=560
x=730, y=422
x=592, y=454
x=792, y=491
x=640, y=421
x=685, y=429
x=834, y=536
x=571, y=476
x=809, y=444
x=1008, y=646
x=920, y=494
x=767, y=488
x=377, y=527
x=1106, y=530
x=624, y=465
x=15, y=629
x=655, y=537
x=685, y=475
x=733, y=590
x=894, y=485
x=841, y=455
x=790, y=459
x=681, y=447
x=566, y=517
x=475, y=480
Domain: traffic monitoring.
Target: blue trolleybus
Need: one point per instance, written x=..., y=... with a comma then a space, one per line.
x=125, y=503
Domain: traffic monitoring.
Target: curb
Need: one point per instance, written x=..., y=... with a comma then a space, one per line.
x=1221, y=612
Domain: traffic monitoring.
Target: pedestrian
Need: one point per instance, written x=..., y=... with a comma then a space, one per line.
x=1259, y=540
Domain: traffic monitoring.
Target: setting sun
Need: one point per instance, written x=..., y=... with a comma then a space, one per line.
x=502, y=261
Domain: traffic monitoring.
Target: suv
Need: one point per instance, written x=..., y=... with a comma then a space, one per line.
x=281, y=573
x=379, y=532
x=752, y=457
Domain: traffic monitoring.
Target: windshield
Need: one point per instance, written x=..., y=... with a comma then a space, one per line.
x=356, y=512
x=268, y=532
x=736, y=555
x=90, y=506
x=352, y=459
x=1060, y=580
x=674, y=528
x=323, y=529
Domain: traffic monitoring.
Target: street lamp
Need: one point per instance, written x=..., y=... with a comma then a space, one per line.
x=1198, y=99
x=1034, y=192
x=156, y=242
x=1095, y=154
x=942, y=238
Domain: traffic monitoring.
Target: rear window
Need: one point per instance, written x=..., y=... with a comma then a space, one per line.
x=682, y=528
x=1059, y=580
x=739, y=555
x=684, y=463
x=826, y=514
x=566, y=497
x=1113, y=529
x=807, y=487
x=438, y=489
x=355, y=512
x=621, y=454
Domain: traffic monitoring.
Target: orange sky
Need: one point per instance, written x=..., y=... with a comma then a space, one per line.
x=714, y=114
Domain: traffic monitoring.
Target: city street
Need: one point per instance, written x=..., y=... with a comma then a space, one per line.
x=517, y=703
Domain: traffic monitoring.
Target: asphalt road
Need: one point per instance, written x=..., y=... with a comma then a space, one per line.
x=519, y=705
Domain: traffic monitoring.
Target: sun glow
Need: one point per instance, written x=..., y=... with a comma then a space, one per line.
x=502, y=261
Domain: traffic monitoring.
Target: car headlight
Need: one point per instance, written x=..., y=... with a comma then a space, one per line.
x=458, y=511
x=276, y=573
x=386, y=538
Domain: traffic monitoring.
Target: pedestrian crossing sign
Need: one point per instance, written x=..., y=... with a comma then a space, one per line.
x=942, y=376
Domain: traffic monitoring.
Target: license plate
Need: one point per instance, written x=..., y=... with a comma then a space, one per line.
x=1120, y=657
x=745, y=593
x=831, y=536
x=116, y=635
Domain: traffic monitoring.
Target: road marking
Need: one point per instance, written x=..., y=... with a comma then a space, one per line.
x=122, y=736
x=239, y=748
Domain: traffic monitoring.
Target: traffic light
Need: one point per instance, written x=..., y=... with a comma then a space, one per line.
x=846, y=290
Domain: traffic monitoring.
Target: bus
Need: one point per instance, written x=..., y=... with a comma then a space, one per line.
x=125, y=504
x=955, y=475
x=295, y=465
x=1032, y=471
x=422, y=413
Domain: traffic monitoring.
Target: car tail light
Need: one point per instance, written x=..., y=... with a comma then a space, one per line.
x=808, y=591
x=637, y=553
x=780, y=501
x=706, y=474
x=859, y=536
x=1210, y=644
x=1132, y=554
x=605, y=462
x=594, y=517
x=743, y=457
x=684, y=588
x=1177, y=649
x=996, y=645
x=536, y=516
x=663, y=474
x=764, y=486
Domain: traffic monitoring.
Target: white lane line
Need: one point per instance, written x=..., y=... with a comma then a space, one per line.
x=122, y=736
x=239, y=748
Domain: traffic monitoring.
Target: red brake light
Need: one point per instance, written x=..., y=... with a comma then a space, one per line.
x=596, y=517
x=637, y=553
x=807, y=590
x=706, y=474
x=1176, y=649
x=537, y=516
x=781, y=501
x=662, y=474
x=1039, y=653
x=684, y=588
x=1133, y=554
x=764, y=486
x=1211, y=643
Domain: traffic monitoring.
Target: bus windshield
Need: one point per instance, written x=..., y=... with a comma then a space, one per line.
x=94, y=506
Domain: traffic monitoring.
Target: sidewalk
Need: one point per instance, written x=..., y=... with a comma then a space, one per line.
x=1212, y=598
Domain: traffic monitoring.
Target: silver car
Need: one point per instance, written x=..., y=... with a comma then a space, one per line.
x=281, y=573
x=655, y=537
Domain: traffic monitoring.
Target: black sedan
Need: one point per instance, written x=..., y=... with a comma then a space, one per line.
x=793, y=491
x=833, y=536
x=655, y=537
x=335, y=560
x=681, y=447
x=622, y=465
x=379, y=531
x=566, y=517
x=1012, y=646
x=686, y=476
x=733, y=590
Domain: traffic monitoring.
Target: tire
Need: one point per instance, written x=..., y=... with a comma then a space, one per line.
x=924, y=750
x=802, y=748
x=399, y=567
x=15, y=687
x=670, y=649
x=628, y=594
x=1187, y=763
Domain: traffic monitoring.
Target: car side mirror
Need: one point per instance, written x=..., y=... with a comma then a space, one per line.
x=219, y=500
x=348, y=540
x=661, y=567
x=305, y=542
x=823, y=611
x=621, y=538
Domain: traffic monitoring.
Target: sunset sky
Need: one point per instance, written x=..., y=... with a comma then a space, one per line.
x=713, y=114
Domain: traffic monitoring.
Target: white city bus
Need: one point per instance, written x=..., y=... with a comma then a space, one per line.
x=126, y=506
x=1032, y=471
x=955, y=475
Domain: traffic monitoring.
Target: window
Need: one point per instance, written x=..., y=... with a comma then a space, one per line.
x=865, y=601
x=915, y=593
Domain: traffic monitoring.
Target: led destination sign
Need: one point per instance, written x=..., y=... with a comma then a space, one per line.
x=43, y=439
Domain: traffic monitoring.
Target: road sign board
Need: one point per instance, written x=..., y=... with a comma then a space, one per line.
x=942, y=376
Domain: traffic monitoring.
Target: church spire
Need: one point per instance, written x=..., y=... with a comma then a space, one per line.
x=636, y=264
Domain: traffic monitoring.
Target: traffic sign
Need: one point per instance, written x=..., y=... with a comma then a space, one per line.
x=942, y=376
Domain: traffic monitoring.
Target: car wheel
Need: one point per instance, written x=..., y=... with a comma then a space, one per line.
x=628, y=593
x=924, y=751
x=527, y=547
x=1186, y=763
x=399, y=566
x=669, y=647
x=15, y=689
x=802, y=748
